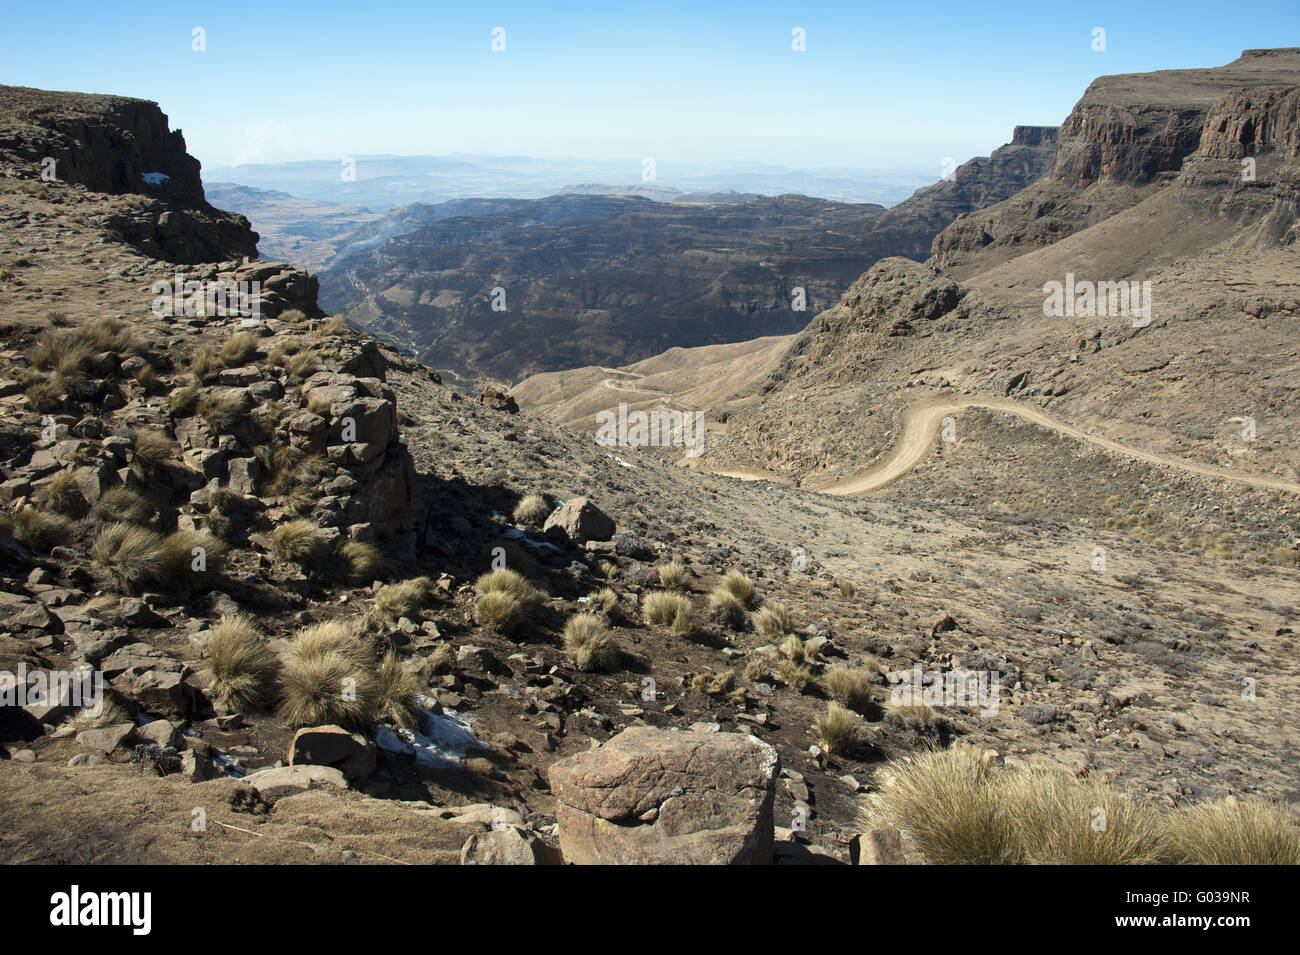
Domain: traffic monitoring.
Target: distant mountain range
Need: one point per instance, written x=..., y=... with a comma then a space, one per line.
x=381, y=183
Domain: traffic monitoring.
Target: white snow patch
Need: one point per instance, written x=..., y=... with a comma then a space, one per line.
x=445, y=743
x=155, y=178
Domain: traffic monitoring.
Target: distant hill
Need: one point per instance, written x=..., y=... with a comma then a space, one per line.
x=295, y=230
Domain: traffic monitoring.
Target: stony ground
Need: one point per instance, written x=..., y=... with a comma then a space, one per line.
x=1168, y=668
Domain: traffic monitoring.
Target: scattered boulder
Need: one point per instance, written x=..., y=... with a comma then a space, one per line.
x=498, y=401
x=350, y=753
x=665, y=797
x=581, y=521
x=509, y=845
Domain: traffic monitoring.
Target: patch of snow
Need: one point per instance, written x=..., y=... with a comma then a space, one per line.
x=514, y=533
x=155, y=178
x=444, y=744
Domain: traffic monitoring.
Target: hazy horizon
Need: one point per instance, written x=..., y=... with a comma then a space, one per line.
x=834, y=86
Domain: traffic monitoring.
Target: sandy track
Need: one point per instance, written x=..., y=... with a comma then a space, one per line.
x=921, y=431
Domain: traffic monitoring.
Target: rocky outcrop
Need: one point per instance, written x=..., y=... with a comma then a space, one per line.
x=121, y=146
x=1124, y=136
x=665, y=797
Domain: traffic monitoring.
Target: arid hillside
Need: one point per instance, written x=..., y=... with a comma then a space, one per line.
x=349, y=615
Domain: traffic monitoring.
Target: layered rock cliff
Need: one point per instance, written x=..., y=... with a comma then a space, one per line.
x=121, y=146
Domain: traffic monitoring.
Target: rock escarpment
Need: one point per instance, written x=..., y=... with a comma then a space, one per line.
x=122, y=147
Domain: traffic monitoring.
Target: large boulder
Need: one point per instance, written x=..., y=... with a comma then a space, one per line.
x=581, y=521
x=651, y=796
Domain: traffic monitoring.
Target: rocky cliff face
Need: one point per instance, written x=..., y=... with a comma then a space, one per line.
x=600, y=280
x=1126, y=135
x=121, y=146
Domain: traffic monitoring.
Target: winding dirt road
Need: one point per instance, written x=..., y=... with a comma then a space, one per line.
x=921, y=431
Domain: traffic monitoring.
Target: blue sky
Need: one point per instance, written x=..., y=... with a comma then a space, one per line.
x=881, y=86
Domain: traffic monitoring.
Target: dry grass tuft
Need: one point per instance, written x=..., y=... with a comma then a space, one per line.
x=726, y=609
x=532, y=511
x=330, y=677
x=947, y=803
x=151, y=450
x=850, y=686
x=301, y=542
x=674, y=575
x=62, y=495
x=405, y=598
x=361, y=561
x=121, y=503
x=399, y=693
x=241, y=671
x=741, y=587
x=1231, y=831
x=588, y=641
x=130, y=554
x=664, y=609
x=837, y=730
x=773, y=620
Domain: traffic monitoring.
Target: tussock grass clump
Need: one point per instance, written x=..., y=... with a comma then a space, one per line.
x=183, y=401
x=757, y=670
x=319, y=403
x=39, y=530
x=1231, y=831
x=335, y=326
x=221, y=413
x=152, y=449
x=330, y=676
x=531, y=511
x=499, y=610
x=837, y=730
x=849, y=686
x=960, y=808
x=399, y=693
x=505, y=599
x=664, y=609
x=947, y=801
x=191, y=558
x=149, y=379
x=62, y=495
x=329, y=687
x=303, y=365
x=794, y=675
x=111, y=334
x=131, y=555
x=793, y=649
x=674, y=575
x=405, y=598
x=206, y=364
x=741, y=587
x=121, y=503
x=588, y=641
x=301, y=542
x=106, y=607
x=605, y=600
x=110, y=713
x=360, y=561
x=238, y=349
x=773, y=620
x=714, y=684
x=726, y=609
x=1058, y=819
x=241, y=671
x=846, y=588
x=506, y=581
x=43, y=396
